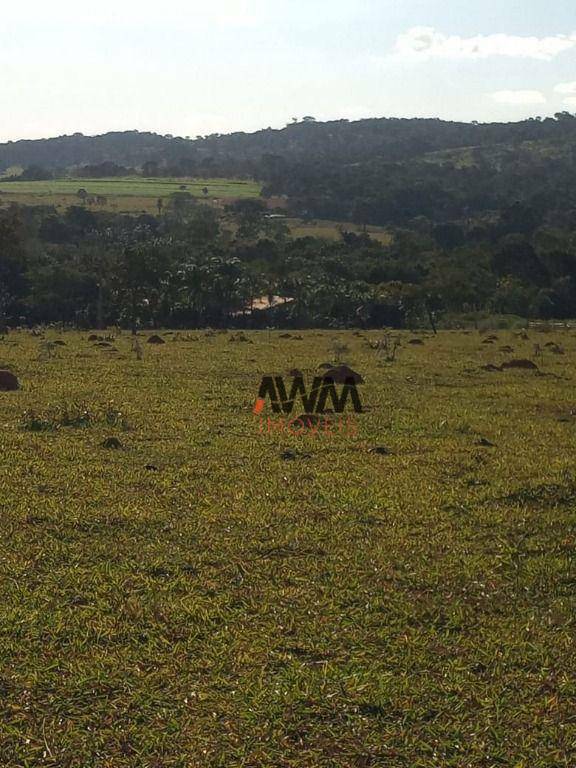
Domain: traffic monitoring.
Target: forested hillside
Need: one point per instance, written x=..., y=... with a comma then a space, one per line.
x=341, y=141
x=381, y=171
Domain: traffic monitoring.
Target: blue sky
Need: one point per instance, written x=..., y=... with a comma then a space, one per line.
x=191, y=68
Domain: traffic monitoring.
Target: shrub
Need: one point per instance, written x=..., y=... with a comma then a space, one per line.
x=75, y=415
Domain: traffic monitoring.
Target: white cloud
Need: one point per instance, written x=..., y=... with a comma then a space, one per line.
x=567, y=89
x=519, y=98
x=427, y=42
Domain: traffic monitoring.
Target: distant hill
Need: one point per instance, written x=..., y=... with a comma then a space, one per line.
x=378, y=171
x=130, y=148
x=343, y=141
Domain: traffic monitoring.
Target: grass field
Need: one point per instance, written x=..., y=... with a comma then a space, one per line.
x=330, y=230
x=137, y=195
x=122, y=194
x=200, y=597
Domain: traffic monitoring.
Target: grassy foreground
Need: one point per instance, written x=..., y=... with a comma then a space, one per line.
x=196, y=598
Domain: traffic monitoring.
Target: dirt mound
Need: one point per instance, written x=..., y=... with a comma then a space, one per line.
x=483, y=442
x=289, y=455
x=381, y=450
x=519, y=363
x=8, y=382
x=155, y=339
x=241, y=338
x=341, y=374
x=112, y=443
x=416, y=342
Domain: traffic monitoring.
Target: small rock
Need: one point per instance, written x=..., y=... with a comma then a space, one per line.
x=78, y=600
x=485, y=443
x=112, y=443
x=289, y=455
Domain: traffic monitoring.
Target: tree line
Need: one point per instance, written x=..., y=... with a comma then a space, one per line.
x=191, y=266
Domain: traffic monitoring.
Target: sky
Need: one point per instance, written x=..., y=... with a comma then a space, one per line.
x=196, y=67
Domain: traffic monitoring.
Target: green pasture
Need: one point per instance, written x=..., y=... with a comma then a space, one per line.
x=207, y=594
x=131, y=187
